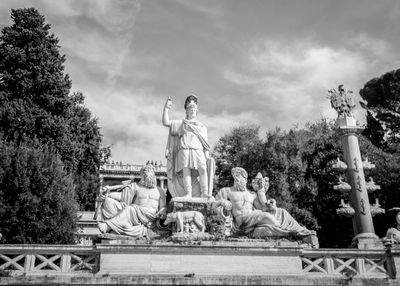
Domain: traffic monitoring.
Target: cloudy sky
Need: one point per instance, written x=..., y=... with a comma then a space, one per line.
x=264, y=62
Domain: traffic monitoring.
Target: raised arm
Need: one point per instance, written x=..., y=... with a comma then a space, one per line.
x=165, y=117
x=113, y=188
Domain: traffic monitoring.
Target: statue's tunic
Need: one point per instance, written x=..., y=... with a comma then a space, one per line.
x=125, y=217
x=191, y=144
x=187, y=142
x=265, y=223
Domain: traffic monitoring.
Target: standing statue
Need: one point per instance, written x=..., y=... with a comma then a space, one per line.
x=253, y=214
x=190, y=168
x=131, y=209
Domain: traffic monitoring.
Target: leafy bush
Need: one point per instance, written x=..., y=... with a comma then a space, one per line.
x=37, y=203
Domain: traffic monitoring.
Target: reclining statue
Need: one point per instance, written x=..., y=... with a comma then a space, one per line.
x=131, y=209
x=254, y=215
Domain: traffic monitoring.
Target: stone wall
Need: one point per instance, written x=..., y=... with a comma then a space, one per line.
x=171, y=264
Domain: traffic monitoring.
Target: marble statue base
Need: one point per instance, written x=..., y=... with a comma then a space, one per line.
x=185, y=219
x=194, y=219
x=241, y=259
x=309, y=241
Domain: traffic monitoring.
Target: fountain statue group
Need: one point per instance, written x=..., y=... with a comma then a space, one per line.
x=133, y=208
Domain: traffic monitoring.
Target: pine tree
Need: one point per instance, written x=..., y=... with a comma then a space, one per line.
x=37, y=203
x=382, y=96
x=36, y=101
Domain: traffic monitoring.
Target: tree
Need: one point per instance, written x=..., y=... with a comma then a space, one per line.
x=320, y=146
x=382, y=96
x=36, y=101
x=276, y=156
x=387, y=176
x=299, y=165
x=240, y=148
x=37, y=203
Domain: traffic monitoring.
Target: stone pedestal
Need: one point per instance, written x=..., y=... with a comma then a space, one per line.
x=199, y=260
x=367, y=241
x=197, y=204
x=190, y=214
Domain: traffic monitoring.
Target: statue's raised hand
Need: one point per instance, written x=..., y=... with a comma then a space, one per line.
x=168, y=103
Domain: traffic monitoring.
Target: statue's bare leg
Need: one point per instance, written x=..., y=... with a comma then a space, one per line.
x=187, y=182
x=204, y=182
x=103, y=227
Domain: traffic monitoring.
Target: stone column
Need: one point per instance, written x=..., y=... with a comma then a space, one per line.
x=362, y=220
x=358, y=208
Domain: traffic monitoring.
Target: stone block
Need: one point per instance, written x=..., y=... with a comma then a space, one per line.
x=346, y=121
x=368, y=243
x=199, y=260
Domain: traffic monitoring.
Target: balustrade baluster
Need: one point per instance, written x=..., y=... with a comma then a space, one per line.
x=29, y=264
x=329, y=265
x=65, y=262
x=360, y=265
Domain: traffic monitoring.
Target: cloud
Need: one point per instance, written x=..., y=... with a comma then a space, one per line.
x=131, y=124
x=249, y=62
x=222, y=123
x=291, y=79
x=213, y=10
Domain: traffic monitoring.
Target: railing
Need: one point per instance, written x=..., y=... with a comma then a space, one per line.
x=129, y=167
x=347, y=262
x=48, y=259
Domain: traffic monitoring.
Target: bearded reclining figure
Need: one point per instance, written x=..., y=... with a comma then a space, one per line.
x=253, y=214
x=132, y=208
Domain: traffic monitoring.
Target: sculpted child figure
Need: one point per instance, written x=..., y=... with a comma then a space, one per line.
x=131, y=209
x=187, y=153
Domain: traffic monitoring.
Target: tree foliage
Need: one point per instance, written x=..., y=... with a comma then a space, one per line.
x=240, y=148
x=382, y=103
x=36, y=101
x=37, y=203
x=299, y=165
x=382, y=96
x=277, y=156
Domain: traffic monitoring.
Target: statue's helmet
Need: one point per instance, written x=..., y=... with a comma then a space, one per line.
x=191, y=101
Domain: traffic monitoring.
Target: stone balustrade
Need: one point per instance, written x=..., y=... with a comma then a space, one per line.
x=347, y=262
x=48, y=259
x=129, y=167
x=80, y=261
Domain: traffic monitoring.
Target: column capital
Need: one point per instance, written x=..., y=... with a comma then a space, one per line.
x=350, y=130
